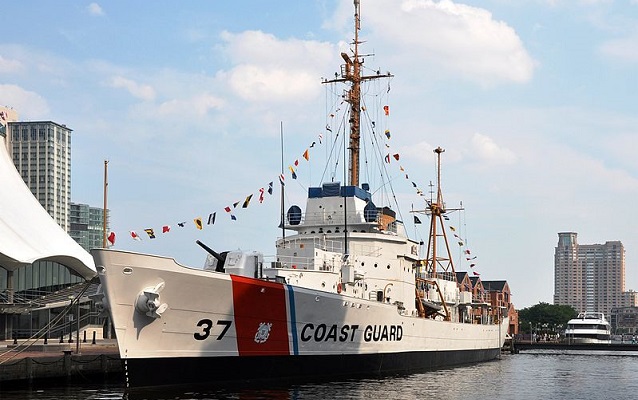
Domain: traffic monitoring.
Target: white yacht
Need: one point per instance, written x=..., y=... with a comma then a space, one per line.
x=588, y=327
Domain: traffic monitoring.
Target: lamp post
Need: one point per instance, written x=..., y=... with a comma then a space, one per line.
x=77, y=341
x=545, y=329
x=531, y=333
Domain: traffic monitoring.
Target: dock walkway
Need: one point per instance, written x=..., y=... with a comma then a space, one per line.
x=27, y=363
x=526, y=345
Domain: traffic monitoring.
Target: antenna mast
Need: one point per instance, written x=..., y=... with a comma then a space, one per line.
x=351, y=72
x=437, y=210
x=283, y=188
x=104, y=209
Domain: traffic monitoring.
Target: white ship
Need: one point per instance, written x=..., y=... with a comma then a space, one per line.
x=588, y=328
x=346, y=295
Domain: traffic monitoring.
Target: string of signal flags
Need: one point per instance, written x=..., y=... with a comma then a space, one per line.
x=390, y=155
x=200, y=222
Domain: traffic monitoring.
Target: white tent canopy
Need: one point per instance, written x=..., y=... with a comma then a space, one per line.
x=27, y=231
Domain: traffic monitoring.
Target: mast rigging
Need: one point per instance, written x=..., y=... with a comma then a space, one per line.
x=351, y=72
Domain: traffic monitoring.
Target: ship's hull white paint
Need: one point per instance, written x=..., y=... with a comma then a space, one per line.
x=219, y=327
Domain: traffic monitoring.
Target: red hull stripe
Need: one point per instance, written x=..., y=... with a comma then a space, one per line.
x=260, y=317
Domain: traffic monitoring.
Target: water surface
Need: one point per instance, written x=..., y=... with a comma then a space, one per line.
x=529, y=375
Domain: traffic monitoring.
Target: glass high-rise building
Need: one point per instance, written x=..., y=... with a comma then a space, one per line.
x=41, y=152
x=588, y=277
x=31, y=295
x=87, y=225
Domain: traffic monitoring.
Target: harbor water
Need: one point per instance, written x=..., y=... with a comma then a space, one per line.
x=541, y=374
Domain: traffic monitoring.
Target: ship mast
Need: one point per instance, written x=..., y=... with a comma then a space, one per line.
x=351, y=72
x=104, y=210
x=437, y=210
x=438, y=264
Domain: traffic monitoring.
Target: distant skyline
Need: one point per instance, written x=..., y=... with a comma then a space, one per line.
x=589, y=277
x=534, y=101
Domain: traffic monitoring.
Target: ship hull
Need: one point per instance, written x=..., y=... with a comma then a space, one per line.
x=147, y=372
x=218, y=328
x=604, y=339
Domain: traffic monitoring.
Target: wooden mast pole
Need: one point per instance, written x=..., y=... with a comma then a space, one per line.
x=281, y=183
x=106, y=188
x=437, y=210
x=351, y=72
x=355, y=102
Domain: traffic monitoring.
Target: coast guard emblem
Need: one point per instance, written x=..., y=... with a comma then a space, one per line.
x=263, y=332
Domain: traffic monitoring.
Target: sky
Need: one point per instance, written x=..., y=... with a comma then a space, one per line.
x=534, y=101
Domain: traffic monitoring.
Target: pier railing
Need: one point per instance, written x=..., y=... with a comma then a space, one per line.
x=63, y=330
x=42, y=297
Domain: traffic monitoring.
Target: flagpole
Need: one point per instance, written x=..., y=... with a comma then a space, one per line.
x=281, y=134
x=354, y=182
x=106, y=186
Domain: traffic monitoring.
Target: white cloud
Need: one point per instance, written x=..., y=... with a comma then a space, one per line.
x=594, y=175
x=268, y=68
x=417, y=150
x=486, y=150
x=144, y=92
x=462, y=39
x=555, y=3
x=95, y=9
x=593, y=2
x=29, y=105
x=625, y=49
x=7, y=65
x=258, y=83
x=198, y=105
x=617, y=179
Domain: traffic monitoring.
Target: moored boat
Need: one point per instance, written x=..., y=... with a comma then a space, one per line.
x=347, y=294
x=588, y=328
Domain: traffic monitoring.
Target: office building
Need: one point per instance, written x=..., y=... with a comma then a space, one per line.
x=41, y=152
x=629, y=299
x=624, y=321
x=588, y=277
x=41, y=267
x=87, y=225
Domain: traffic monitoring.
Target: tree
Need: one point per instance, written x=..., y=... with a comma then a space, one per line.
x=548, y=315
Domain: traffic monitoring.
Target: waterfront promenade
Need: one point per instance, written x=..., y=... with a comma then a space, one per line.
x=26, y=363
x=543, y=345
